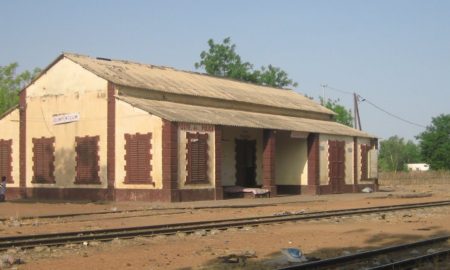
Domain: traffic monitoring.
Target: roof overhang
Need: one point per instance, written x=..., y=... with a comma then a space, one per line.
x=178, y=112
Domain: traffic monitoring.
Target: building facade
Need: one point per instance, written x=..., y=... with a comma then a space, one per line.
x=99, y=129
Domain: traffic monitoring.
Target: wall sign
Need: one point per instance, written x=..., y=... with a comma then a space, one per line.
x=65, y=118
x=196, y=127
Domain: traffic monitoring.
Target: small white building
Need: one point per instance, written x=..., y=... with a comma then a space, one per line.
x=421, y=167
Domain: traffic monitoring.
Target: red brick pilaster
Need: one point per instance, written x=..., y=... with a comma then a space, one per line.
x=269, y=140
x=170, y=161
x=23, y=142
x=218, y=162
x=111, y=139
x=313, y=163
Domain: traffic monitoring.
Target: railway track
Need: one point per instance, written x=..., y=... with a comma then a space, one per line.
x=103, y=213
x=128, y=211
x=399, y=257
x=54, y=239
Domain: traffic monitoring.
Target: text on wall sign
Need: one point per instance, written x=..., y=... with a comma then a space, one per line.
x=65, y=118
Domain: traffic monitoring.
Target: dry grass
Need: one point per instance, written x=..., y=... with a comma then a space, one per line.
x=414, y=178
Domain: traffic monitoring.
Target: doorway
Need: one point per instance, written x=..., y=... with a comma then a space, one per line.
x=245, y=151
x=336, y=165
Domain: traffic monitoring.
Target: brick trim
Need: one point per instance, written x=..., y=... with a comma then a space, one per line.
x=102, y=194
x=7, y=144
x=170, y=161
x=289, y=189
x=269, y=140
x=364, y=161
x=22, y=142
x=218, y=162
x=111, y=136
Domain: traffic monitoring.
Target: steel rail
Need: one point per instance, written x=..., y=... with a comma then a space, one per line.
x=414, y=261
x=54, y=216
x=89, y=214
x=27, y=241
x=352, y=258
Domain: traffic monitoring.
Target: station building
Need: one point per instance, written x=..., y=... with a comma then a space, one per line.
x=100, y=129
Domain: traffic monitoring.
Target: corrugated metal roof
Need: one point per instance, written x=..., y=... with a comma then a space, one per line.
x=178, y=112
x=195, y=84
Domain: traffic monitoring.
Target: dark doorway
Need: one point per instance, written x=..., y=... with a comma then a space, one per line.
x=245, y=163
x=336, y=165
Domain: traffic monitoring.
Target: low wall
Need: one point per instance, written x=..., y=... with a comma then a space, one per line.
x=414, y=178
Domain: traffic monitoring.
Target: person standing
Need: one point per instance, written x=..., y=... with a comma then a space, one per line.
x=3, y=189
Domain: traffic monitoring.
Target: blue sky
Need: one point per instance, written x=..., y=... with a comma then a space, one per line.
x=394, y=53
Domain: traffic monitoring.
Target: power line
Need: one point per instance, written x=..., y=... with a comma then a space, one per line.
x=391, y=114
x=338, y=90
x=362, y=99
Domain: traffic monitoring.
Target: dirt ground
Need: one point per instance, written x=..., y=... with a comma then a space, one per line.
x=319, y=238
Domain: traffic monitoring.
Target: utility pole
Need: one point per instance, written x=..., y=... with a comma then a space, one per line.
x=357, y=119
x=323, y=93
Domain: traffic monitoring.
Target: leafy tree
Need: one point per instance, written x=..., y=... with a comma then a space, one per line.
x=222, y=60
x=11, y=83
x=273, y=76
x=395, y=153
x=435, y=143
x=343, y=115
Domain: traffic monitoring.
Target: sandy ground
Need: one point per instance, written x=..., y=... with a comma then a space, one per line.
x=322, y=238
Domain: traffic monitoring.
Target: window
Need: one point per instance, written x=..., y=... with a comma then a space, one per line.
x=6, y=160
x=197, y=158
x=364, y=161
x=43, y=160
x=87, y=160
x=137, y=158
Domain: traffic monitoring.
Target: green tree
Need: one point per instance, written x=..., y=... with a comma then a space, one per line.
x=343, y=115
x=221, y=59
x=435, y=143
x=395, y=153
x=11, y=83
x=273, y=76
